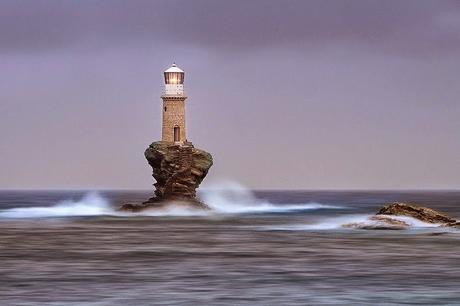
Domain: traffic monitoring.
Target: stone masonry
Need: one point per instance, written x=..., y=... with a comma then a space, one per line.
x=173, y=116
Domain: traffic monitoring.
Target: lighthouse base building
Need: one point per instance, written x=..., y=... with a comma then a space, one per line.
x=173, y=124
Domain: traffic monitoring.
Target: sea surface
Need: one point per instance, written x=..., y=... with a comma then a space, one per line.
x=253, y=248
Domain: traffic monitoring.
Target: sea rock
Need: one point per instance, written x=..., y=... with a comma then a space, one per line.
x=386, y=217
x=423, y=214
x=178, y=171
x=159, y=204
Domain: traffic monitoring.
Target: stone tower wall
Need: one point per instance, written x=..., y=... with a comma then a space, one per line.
x=173, y=115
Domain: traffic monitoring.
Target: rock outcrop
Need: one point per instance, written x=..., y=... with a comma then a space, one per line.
x=178, y=171
x=423, y=214
x=386, y=217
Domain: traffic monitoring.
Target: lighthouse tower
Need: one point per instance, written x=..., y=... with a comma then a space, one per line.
x=173, y=128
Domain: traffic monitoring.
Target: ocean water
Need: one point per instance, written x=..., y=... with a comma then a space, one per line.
x=254, y=248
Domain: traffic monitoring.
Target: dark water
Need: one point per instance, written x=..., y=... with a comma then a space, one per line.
x=278, y=248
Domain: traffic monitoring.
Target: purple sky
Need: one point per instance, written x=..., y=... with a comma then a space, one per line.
x=284, y=94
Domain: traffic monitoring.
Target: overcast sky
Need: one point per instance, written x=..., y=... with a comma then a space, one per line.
x=284, y=94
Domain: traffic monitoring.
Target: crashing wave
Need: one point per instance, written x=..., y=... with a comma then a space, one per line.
x=380, y=222
x=228, y=198
x=92, y=204
x=233, y=198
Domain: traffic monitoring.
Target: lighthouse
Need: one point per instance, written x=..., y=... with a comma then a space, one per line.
x=173, y=126
x=178, y=167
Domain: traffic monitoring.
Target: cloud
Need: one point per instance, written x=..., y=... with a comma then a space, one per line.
x=417, y=26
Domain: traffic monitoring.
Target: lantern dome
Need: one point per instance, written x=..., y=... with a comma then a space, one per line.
x=174, y=75
x=174, y=68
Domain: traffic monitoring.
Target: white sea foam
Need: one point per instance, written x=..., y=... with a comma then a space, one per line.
x=340, y=221
x=92, y=204
x=223, y=198
x=234, y=198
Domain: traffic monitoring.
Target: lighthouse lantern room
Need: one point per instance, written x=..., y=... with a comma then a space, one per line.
x=174, y=81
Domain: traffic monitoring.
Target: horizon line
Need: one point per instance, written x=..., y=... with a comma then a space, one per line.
x=252, y=189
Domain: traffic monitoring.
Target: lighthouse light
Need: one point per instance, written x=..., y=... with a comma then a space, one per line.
x=174, y=81
x=174, y=77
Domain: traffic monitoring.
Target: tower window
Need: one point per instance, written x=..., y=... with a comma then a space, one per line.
x=166, y=108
